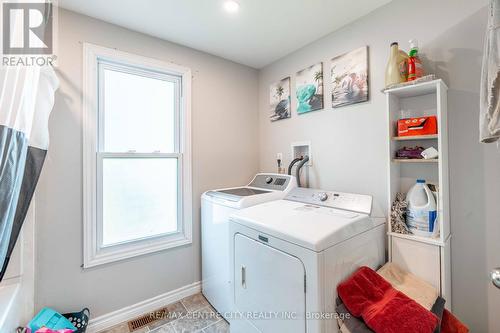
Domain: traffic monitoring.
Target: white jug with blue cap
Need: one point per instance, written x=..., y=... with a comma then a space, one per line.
x=421, y=214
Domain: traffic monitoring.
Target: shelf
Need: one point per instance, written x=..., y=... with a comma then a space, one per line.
x=413, y=90
x=427, y=240
x=404, y=160
x=415, y=137
x=426, y=257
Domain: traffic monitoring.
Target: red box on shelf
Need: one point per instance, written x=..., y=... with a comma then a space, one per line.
x=417, y=126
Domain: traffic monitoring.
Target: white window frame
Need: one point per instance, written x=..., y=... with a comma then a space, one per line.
x=94, y=253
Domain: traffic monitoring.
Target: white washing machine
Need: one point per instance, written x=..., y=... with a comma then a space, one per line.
x=216, y=207
x=289, y=255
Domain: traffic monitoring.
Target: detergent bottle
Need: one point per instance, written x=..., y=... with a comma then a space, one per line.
x=396, y=70
x=421, y=214
x=392, y=69
x=403, y=59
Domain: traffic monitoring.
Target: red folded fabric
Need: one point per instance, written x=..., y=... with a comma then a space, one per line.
x=383, y=308
x=450, y=324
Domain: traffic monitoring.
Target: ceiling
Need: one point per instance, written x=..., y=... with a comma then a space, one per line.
x=261, y=32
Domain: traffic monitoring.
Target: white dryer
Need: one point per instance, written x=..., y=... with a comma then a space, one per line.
x=216, y=207
x=289, y=255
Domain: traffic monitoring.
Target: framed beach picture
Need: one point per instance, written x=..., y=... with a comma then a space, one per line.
x=279, y=100
x=309, y=89
x=349, y=75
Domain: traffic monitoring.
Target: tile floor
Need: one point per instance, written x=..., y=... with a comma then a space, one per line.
x=189, y=315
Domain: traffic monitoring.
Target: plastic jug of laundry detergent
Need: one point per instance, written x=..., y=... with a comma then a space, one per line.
x=392, y=75
x=421, y=214
x=396, y=70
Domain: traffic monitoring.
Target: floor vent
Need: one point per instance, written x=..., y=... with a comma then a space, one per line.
x=145, y=320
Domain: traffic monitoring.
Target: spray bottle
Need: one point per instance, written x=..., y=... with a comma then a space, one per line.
x=415, y=68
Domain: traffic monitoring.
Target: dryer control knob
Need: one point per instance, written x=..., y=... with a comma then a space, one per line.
x=323, y=196
x=269, y=180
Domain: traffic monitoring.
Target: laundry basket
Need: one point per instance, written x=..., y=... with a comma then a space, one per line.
x=79, y=319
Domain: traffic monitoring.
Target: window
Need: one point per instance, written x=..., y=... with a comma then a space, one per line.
x=137, y=168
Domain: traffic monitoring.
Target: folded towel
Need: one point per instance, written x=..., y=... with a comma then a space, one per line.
x=350, y=324
x=415, y=288
x=383, y=308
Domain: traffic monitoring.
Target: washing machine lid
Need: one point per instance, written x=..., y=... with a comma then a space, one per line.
x=236, y=194
x=263, y=187
x=311, y=226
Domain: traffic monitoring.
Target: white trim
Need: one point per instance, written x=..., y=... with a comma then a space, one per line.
x=10, y=312
x=28, y=278
x=17, y=294
x=130, y=312
x=93, y=255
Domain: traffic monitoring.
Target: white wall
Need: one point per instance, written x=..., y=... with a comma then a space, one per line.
x=349, y=144
x=225, y=152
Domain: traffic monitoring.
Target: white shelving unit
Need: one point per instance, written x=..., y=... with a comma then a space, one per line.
x=428, y=258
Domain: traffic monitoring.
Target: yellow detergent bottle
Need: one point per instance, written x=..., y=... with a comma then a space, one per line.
x=396, y=70
x=403, y=59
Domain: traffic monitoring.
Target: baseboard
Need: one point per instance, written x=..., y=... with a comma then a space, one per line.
x=119, y=316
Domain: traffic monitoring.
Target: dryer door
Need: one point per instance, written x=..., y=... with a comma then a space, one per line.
x=269, y=286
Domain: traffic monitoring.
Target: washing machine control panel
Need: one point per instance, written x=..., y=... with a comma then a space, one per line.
x=359, y=203
x=271, y=181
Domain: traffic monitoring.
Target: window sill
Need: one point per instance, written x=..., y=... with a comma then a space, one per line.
x=131, y=250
